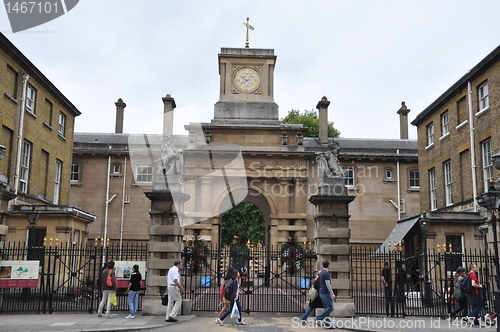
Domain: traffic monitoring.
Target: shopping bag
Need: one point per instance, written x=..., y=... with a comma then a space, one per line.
x=235, y=313
x=114, y=301
x=313, y=293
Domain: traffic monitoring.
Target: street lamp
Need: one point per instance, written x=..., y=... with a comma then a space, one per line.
x=424, y=225
x=490, y=200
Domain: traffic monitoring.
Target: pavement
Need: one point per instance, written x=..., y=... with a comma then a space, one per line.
x=204, y=322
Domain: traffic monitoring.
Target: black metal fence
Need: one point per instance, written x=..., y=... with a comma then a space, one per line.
x=420, y=285
x=68, y=277
x=271, y=280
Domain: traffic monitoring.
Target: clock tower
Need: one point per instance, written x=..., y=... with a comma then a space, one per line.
x=246, y=85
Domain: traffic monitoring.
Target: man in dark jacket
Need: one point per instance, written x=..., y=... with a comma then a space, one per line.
x=107, y=291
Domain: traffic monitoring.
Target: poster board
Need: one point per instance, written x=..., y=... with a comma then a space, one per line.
x=123, y=270
x=19, y=274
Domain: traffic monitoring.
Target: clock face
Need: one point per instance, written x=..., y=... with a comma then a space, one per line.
x=247, y=79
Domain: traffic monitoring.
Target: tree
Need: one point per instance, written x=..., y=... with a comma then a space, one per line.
x=309, y=119
x=246, y=222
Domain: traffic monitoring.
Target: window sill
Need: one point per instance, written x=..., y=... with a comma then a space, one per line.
x=389, y=181
x=429, y=146
x=481, y=112
x=142, y=184
x=31, y=113
x=47, y=125
x=116, y=175
x=462, y=124
x=76, y=184
x=61, y=137
x=352, y=188
x=444, y=136
x=9, y=97
x=413, y=189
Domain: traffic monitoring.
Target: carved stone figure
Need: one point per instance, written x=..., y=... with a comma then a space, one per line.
x=171, y=159
x=328, y=163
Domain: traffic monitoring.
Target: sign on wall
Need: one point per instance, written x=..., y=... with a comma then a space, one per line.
x=19, y=274
x=123, y=271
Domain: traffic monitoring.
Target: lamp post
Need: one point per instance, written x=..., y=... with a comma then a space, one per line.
x=424, y=225
x=490, y=200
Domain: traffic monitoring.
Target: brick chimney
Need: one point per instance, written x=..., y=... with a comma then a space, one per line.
x=120, y=108
x=168, y=115
x=403, y=120
x=323, y=119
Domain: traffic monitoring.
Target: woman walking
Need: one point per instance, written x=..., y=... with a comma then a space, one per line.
x=225, y=301
x=233, y=299
x=107, y=291
x=462, y=302
x=313, y=304
x=134, y=287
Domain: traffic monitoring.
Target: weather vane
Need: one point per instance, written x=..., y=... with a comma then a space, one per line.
x=248, y=27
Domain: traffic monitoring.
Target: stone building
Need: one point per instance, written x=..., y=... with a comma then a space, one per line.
x=37, y=123
x=457, y=135
x=278, y=171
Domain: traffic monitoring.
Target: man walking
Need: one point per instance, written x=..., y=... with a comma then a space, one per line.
x=326, y=294
x=174, y=292
x=386, y=276
x=475, y=297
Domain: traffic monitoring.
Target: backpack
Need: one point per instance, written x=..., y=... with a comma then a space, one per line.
x=228, y=289
x=457, y=290
x=466, y=284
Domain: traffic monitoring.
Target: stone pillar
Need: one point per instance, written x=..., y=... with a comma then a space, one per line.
x=403, y=121
x=168, y=115
x=120, y=109
x=332, y=240
x=300, y=195
x=323, y=119
x=164, y=247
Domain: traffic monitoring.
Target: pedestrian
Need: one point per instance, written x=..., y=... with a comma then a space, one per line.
x=462, y=302
x=314, y=303
x=326, y=293
x=475, y=297
x=225, y=302
x=174, y=292
x=386, y=277
x=134, y=287
x=107, y=291
x=233, y=298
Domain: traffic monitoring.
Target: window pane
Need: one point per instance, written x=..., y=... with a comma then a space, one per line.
x=144, y=173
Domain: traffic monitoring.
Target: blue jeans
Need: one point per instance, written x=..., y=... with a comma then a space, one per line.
x=133, y=301
x=307, y=313
x=327, y=304
x=227, y=313
x=477, y=306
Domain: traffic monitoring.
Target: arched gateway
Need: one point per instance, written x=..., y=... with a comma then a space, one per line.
x=246, y=154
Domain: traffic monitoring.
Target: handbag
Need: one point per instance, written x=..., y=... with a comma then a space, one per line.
x=109, y=280
x=235, y=313
x=164, y=299
x=114, y=300
x=313, y=293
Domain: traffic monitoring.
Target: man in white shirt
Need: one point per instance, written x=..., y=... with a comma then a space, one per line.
x=174, y=292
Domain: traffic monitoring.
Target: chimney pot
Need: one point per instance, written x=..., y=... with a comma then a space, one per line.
x=403, y=120
x=323, y=119
x=120, y=108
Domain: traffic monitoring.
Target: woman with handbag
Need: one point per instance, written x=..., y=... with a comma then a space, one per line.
x=233, y=299
x=108, y=288
x=313, y=303
x=458, y=294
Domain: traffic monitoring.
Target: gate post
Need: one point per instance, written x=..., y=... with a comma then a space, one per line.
x=165, y=240
x=331, y=236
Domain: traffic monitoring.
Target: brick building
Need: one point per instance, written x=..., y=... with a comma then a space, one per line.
x=457, y=135
x=37, y=123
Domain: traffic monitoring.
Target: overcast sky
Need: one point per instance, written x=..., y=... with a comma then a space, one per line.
x=365, y=56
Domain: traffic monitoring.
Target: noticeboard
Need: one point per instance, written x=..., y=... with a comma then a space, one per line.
x=19, y=274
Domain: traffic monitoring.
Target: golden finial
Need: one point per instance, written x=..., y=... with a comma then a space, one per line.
x=439, y=247
x=450, y=248
x=389, y=246
x=247, y=42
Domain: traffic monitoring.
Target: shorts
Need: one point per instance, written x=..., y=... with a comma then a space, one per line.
x=225, y=301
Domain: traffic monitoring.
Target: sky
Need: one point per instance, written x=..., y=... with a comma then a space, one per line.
x=366, y=57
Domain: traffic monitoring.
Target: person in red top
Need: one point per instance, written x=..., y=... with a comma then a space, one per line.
x=475, y=297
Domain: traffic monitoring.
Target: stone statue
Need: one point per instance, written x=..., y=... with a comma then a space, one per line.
x=171, y=160
x=328, y=163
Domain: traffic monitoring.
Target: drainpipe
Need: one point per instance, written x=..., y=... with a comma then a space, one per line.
x=123, y=205
x=472, y=148
x=399, y=186
x=108, y=200
x=20, y=133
